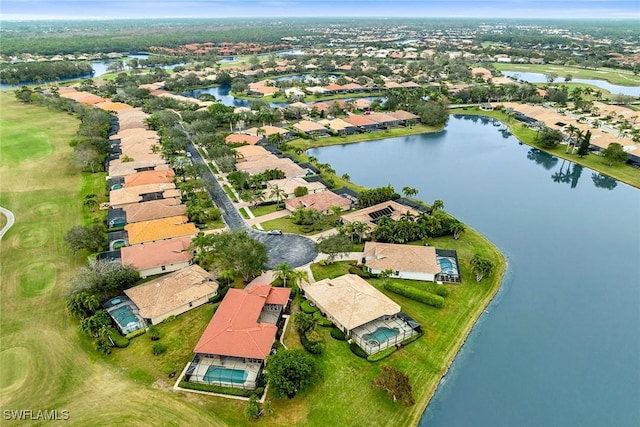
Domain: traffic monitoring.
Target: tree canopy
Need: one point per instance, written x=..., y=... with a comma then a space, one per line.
x=396, y=384
x=289, y=371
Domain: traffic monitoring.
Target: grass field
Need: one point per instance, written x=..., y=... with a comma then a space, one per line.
x=44, y=364
x=618, y=77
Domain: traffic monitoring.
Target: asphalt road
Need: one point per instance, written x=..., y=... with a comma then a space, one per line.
x=291, y=248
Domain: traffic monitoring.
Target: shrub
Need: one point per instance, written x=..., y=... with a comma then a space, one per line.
x=220, y=389
x=311, y=347
x=441, y=290
x=154, y=333
x=357, y=350
x=360, y=272
x=321, y=320
x=306, y=307
x=169, y=319
x=338, y=334
x=159, y=348
x=222, y=291
x=253, y=409
x=136, y=333
x=412, y=339
x=306, y=228
x=117, y=339
x=382, y=354
x=415, y=294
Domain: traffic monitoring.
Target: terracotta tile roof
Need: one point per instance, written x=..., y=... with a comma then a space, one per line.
x=404, y=258
x=357, y=120
x=154, y=209
x=362, y=215
x=234, y=329
x=403, y=115
x=127, y=195
x=172, y=291
x=249, y=151
x=149, y=177
x=382, y=118
x=350, y=300
x=320, y=201
x=289, y=185
x=120, y=168
x=156, y=254
x=288, y=166
x=309, y=126
x=160, y=229
x=239, y=138
x=337, y=124
x=268, y=130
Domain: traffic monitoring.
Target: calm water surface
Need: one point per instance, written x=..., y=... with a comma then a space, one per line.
x=560, y=344
x=541, y=78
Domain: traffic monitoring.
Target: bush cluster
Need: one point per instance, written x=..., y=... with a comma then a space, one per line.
x=310, y=346
x=136, y=333
x=321, y=320
x=360, y=272
x=306, y=307
x=357, y=350
x=338, y=334
x=416, y=294
x=118, y=340
x=159, y=348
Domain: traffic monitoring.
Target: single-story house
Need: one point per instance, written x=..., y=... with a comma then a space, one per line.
x=310, y=127
x=373, y=320
x=372, y=214
x=289, y=185
x=154, y=209
x=158, y=257
x=240, y=138
x=149, y=177
x=142, y=193
x=252, y=152
x=404, y=116
x=269, y=130
x=160, y=229
x=322, y=202
x=173, y=294
x=385, y=120
x=362, y=122
x=340, y=126
x=120, y=168
x=406, y=261
x=239, y=336
x=287, y=166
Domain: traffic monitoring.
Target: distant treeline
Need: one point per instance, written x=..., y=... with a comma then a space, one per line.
x=42, y=71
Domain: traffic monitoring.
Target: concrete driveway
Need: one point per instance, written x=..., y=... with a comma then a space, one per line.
x=292, y=248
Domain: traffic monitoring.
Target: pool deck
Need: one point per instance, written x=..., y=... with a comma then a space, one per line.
x=252, y=369
x=406, y=331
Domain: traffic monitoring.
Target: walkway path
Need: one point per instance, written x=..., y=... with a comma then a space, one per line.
x=291, y=248
x=10, y=221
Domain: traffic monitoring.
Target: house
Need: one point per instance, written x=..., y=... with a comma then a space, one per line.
x=385, y=120
x=361, y=311
x=269, y=130
x=160, y=229
x=154, y=209
x=310, y=128
x=149, y=177
x=372, y=214
x=239, y=337
x=349, y=194
x=252, y=152
x=240, y=138
x=289, y=185
x=287, y=166
x=322, y=202
x=404, y=116
x=406, y=261
x=158, y=257
x=173, y=294
x=362, y=122
x=142, y=193
x=340, y=126
x=120, y=168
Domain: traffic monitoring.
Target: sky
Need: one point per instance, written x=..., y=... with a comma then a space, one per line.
x=135, y=9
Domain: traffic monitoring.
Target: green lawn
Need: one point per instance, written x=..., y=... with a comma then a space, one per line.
x=227, y=190
x=287, y=226
x=618, y=77
x=619, y=171
x=265, y=209
x=344, y=395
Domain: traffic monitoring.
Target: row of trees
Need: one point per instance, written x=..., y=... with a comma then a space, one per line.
x=41, y=72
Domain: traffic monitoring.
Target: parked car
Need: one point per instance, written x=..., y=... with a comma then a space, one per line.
x=274, y=232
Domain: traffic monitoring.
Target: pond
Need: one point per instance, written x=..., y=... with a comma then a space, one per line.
x=559, y=344
x=541, y=78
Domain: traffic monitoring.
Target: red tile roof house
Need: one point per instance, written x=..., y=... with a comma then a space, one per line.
x=240, y=138
x=234, y=346
x=322, y=202
x=160, y=257
x=362, y=122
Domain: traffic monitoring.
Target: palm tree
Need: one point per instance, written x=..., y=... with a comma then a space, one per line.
x=457, y=228
x=481, y=266
x=296, y=277
x=346, y=177
x=571, y=130
x=283, y=271
x=437, y=205
x=409, y=191
x=278, y=193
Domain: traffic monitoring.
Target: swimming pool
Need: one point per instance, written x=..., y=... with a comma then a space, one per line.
x=381, y=334
x=126, y=319
x=447, y=266
x=225, y=375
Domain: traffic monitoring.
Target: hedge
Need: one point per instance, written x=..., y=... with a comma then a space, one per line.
x=415, y=294
x=357, y=350
x=306, y=307
x=222, y=291
x=412, y=339
x=313, y=348
x=360, y=272
x=118, y=340
x=321, y=320
x=221, y=389
x=159, y=348
x=338, y=334
x=382, y=354
x=137, y=333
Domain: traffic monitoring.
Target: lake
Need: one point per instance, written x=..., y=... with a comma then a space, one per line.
x=560, y=343
x=541, y=78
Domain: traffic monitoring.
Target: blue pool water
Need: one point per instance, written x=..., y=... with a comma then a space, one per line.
x=125, y=318
x=381, y=334
x=447, y=266
x=225, y=375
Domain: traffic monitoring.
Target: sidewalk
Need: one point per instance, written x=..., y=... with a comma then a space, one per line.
x=268, y=217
